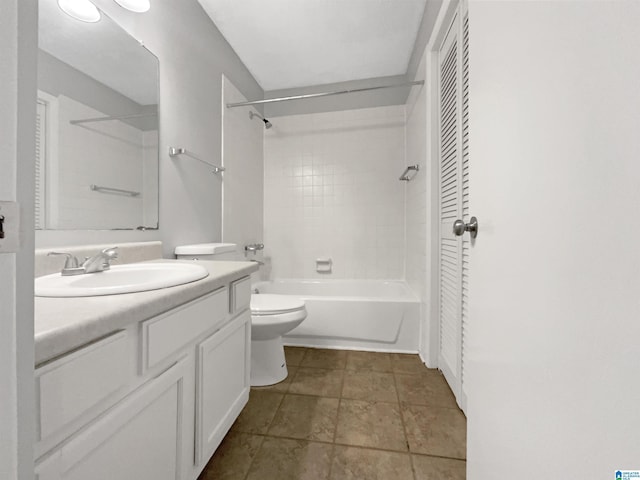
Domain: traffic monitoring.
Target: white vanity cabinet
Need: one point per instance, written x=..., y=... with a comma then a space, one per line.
x=139, y=438
x=151, y=401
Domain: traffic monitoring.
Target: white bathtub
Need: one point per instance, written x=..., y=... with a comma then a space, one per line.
x=377, y=315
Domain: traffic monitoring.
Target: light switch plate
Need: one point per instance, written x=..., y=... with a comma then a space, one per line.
x=10, y=226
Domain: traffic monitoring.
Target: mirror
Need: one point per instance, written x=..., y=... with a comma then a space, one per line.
x=97, y=126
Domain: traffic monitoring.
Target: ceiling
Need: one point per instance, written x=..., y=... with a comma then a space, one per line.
x=102, y=50
x=299, y=43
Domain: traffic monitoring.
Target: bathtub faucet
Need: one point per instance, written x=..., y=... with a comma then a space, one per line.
x=253, y=247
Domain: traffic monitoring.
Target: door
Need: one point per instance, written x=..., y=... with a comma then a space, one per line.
x=454, y=202
x=552, y=357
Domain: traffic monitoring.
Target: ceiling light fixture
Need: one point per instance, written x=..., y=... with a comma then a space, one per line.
x=82, y=10
x=137, y=6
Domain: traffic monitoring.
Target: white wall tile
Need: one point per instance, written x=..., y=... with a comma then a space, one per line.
x=332, y=189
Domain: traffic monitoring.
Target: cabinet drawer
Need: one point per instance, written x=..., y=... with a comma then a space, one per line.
x=80, y=384
x=168, y=333
x=240, y=295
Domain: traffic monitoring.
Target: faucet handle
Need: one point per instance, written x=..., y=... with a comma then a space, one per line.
x=70, y=262
x=111, y=252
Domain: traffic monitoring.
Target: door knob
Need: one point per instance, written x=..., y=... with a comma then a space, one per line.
x=459, y=227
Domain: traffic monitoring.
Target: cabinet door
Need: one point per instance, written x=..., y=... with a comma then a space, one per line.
x=139, y=438
x=223, y=383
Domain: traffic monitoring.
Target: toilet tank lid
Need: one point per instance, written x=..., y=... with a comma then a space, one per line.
x=205, y=248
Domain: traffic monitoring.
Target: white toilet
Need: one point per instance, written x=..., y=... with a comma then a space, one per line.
x=271, y=317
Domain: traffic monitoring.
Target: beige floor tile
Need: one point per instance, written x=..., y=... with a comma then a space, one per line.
x=369, y=361
x=259, y=412
x=283, y=459
x=425, y=389
x=353, y=463
x=372, y=386
x=233, y=457
x=370, y=424
x=436, y=430
x=294, y=355
x=322, y=358
x=283, y=386
x=434, y=468
x=317, y=381
x=305, y=417
x=406, y=363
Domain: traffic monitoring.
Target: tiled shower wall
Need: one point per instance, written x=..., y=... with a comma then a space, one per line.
x=332, y=190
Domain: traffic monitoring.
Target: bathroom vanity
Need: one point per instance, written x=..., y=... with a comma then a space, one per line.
x=144, y=385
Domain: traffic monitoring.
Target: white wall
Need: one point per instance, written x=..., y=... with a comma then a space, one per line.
x=416, y=214
x=332, y=190
x=552, y=353
x=243, y=199
x=17, y=143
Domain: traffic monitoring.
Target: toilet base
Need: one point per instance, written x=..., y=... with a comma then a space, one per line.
x=268, y=365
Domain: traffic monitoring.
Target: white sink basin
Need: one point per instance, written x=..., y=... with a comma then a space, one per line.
x=130, y=278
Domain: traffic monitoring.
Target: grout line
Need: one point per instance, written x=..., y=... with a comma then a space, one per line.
x=439, y=456
x=277, y=410
x=340, y=444
x=304, y=354
x=332, y=455
x=246, y=475
x=364, y=447
x=404, y=426
x=335, y=431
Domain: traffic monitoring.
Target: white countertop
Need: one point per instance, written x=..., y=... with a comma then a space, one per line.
x=64, y=324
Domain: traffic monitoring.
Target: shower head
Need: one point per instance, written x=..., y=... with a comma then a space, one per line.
x=267, y=123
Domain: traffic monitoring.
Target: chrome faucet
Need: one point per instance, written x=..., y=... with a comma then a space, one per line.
x=101, y=261
x=98, y=263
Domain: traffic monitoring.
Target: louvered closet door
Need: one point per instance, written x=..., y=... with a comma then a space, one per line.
x=454, y=204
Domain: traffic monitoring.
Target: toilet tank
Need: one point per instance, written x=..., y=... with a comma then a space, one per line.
x=207, y=251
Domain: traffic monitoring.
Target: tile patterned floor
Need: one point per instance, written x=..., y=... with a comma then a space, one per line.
x=343, y=415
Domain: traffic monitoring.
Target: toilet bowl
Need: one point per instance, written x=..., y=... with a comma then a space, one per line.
x=272, y=316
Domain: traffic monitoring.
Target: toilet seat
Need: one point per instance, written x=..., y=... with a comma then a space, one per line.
x=271, y=304
x=275, y=315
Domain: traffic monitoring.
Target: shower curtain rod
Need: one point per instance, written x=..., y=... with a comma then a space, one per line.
x=323, y=94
